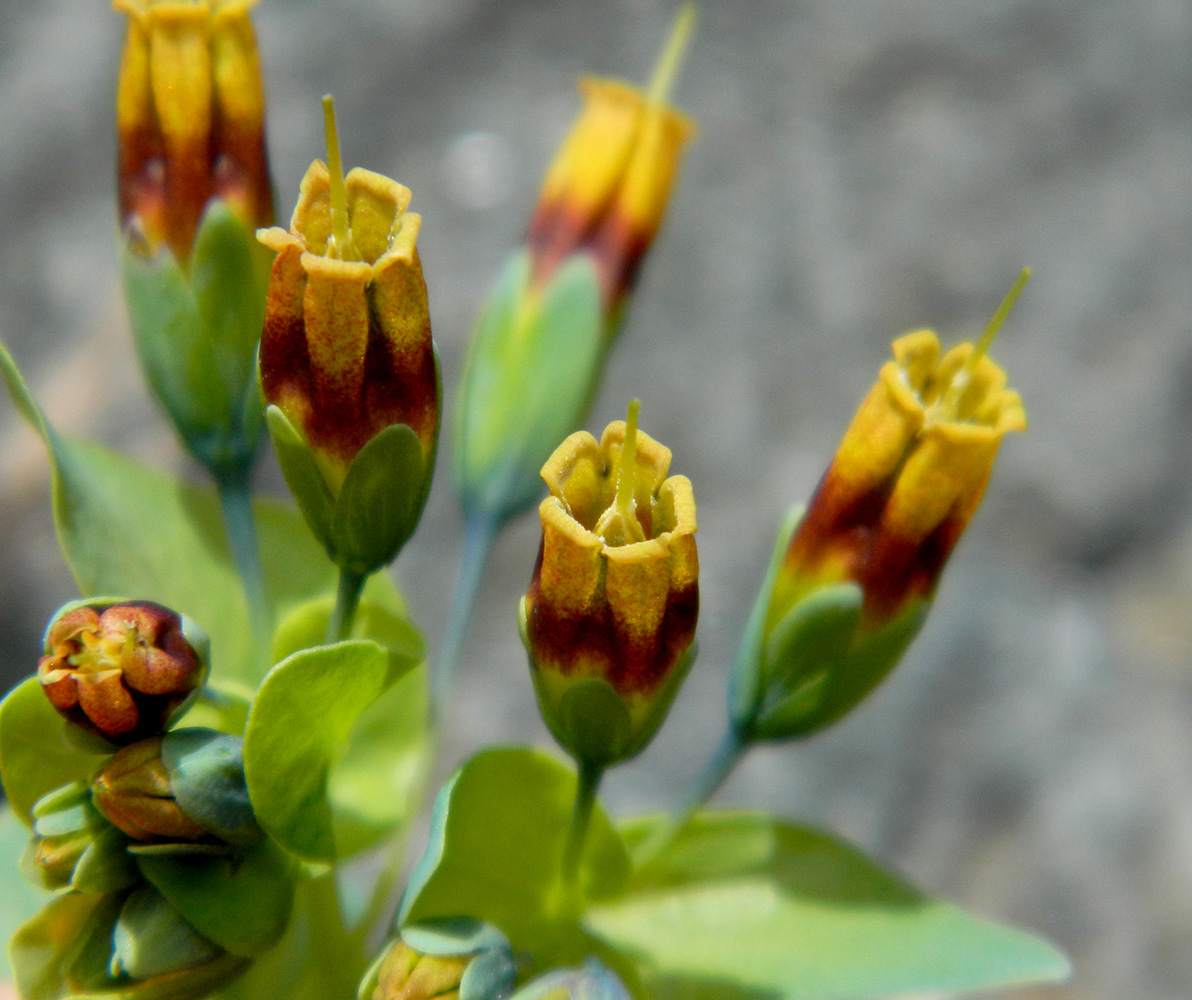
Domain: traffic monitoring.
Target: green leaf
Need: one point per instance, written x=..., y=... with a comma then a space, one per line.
x=41, y=949
x=241, y=902
x=532, y=369
x=36, y=754
x=129, y=530
x=326, y=776
x=495, y=849
x=20, y=899
x=744, y=906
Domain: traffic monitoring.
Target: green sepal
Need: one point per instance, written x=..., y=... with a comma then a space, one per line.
x=303, y=477
x=241, y=902
x=152, y=939
x=747, y=679
x=94, y=858
x=741, y=904
x=594, y=723
x=379, y=504
x=495, y=849
x=206, y=772
x=196, y=336
x=820, y=666
x=533, y=367
x=381, y=500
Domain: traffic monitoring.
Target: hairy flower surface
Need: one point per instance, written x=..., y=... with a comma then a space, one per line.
x=190, y=112
x=615, y=593
x=123, y=670
x=346, y=350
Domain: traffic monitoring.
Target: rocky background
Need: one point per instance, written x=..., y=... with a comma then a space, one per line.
x=863, y=168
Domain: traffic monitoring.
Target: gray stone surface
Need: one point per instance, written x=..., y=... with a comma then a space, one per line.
x=863, y=168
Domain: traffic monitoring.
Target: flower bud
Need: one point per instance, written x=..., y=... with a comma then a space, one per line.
x=541, y=340
x=609, y=618
x=852, y=583
x=591, y=981
x=190, y=112
x=453, y=959
x=122, y=670
x=347, y=361
x=186, y=787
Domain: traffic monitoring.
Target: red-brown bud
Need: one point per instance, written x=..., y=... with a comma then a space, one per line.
x=124, y=671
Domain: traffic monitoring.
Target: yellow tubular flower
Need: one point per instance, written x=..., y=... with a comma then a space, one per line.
x=346, y=350
x=852, y=582
x=609, y=618
x=190, y=112
x=906, y=478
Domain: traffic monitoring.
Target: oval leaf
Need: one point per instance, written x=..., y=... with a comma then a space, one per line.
x=744, y=905
x=313, y=794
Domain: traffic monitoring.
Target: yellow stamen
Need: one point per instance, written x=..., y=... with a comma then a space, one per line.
x=619, y=525
x=948, y=404
x=340, y=246
x=667, y=67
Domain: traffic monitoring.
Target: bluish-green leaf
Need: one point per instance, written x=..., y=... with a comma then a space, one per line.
x=495, y=849
x=747, y=907
x=241, y=902
x=128, y=529
x=36, y=754
x=20, y=899
x=323, y=781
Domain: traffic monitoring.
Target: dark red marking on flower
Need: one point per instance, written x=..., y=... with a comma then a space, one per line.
x=575, y=644
x=560, y=228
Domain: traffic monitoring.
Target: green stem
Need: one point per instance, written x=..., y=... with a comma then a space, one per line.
x=347, y=599
x=380, y=903
x=339, y=966
x=234, y=483
x=581, y=813
x=479, y=535
x=730, y=750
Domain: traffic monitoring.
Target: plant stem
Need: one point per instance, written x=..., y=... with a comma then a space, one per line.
x=339, y=966
x=581, y=813
x=347, y=599
x=730, y=750
x=377, y=914
x=234, y=483
x=479, y=535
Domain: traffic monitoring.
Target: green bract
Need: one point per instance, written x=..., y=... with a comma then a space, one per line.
x=363, y=527
x=197, y=335
x=532, y=369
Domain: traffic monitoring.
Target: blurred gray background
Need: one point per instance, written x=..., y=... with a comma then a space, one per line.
x=864, y=167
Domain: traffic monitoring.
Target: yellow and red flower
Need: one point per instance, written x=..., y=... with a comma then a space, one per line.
x=610, y=615
x=606, y=192
x=346, y=350
x=190, y=111
x=853, y=580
